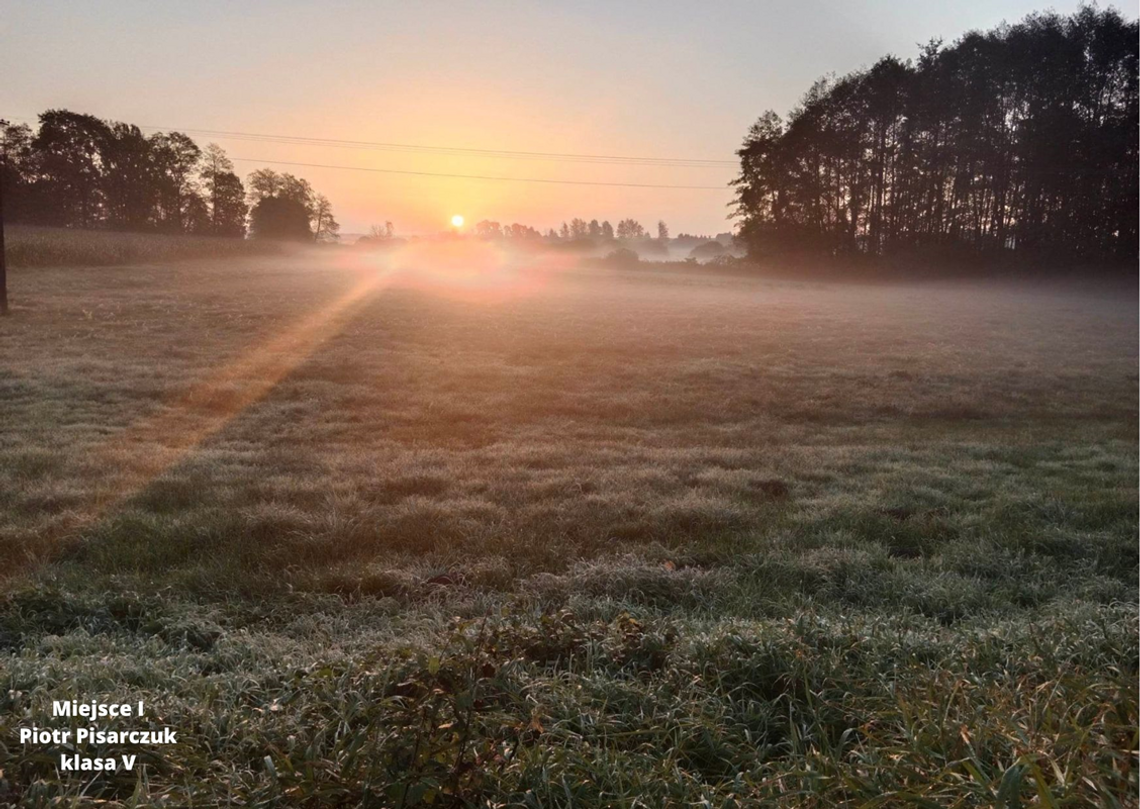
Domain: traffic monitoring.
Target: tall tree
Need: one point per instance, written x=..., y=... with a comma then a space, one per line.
x=630, y=229
x=216, y=172
x=176, y=159
x=130, y=190
x=70, y=166
x=18, y=170
x=228, y=208
x=280, y=218
x=1021, y=141
x=263, y=183
x=325, y=226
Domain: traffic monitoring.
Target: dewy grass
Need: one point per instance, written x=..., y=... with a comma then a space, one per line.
x=609, y=541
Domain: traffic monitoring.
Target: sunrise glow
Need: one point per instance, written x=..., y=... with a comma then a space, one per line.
x=457, y=221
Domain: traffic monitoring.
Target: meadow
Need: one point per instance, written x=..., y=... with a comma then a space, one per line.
x=39, y=246
x=547, y=536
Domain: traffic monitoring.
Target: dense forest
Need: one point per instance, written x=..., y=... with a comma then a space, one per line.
x=1016, y=143
x=78, y=171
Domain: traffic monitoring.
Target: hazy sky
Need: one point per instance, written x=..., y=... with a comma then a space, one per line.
x=660, y=79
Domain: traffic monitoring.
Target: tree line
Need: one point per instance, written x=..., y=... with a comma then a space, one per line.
x=573, y=231
x=1016, y=142
x=78, y=171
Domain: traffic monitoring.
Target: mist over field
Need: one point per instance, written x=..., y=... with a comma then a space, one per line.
x=700, y=533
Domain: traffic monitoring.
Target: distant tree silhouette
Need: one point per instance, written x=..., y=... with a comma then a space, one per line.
x=622, y=257
x=630, y=229
x=1021, y=141
x=488, y=230
x=607, y=231
x=662, y=230
x=380, y=236
x=382, y=233
x=280, y=217
x=709, y=249
x=517, y=231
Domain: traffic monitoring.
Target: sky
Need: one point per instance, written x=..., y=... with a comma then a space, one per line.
x=666, y=79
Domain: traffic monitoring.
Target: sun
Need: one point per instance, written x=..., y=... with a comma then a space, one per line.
x=457, y=221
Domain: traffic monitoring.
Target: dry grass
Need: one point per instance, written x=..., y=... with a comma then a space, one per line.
x=288, y=467
x=31, y=246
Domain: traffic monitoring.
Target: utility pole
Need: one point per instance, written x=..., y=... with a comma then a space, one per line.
x=3, y=259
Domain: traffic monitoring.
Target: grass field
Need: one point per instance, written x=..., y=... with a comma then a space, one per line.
x=34, y=246
x=571, y=538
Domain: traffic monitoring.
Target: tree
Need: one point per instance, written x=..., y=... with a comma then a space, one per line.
x=129, y=188
x=281, y=218
x=175, y=159
x=578, y=228
x=196, y=216
x=298, y=189
x=224, y=192
x=607, y=231
x=595, y=230
x=228, y=209
x=79, y=171
x=70, y=166
x=622, y=257
x=662, y=230
x=266, y=183
x=263, y=183
x=1020, y=141
x=325, y=226
x=18, y=169
x=630, y=229
x=488, y=229
x=517, y=231
x=382, y=233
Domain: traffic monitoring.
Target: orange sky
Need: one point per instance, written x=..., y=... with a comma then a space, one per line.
x=667, y=79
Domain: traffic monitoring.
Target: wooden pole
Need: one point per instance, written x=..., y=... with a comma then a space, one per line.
x=3, y=255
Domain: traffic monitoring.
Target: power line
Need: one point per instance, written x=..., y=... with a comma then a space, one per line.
x=511, y=154
x=478, y=176
x=508, y=154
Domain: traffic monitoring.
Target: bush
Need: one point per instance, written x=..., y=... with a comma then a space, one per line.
x=707, y=250
x=622, y=257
